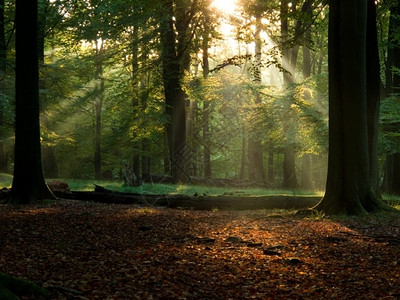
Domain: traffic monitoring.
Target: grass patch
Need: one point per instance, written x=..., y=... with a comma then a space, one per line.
x=176, y=189
x=171, y=189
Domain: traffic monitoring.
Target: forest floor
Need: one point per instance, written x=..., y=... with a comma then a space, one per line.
x=81, y=250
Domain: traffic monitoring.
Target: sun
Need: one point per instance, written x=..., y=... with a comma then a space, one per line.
x=225, y=6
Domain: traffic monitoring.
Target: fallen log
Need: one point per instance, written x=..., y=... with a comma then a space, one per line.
x=196, y=202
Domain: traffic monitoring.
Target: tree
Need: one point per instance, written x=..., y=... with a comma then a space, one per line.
x=175, y=98
x=349, y=189
x=206, y=105
x=391, y=182
x=290, y=53
x=3, y=70
x=50, y=169
x=28, y=183
x=255, y=150
x=306, y=158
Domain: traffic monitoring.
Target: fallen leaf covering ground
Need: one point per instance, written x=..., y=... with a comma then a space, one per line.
x=81, y=250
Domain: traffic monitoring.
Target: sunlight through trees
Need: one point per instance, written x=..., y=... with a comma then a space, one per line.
x=190, y=90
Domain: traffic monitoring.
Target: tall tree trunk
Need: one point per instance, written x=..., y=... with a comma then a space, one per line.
x=135, y=94
x=289, y=161
x=243, y=159
x=174, y=96
x=206, y=106
x=99, y=96
x=391, y=181
x=50, y=168
x=306, y=182
x=348, y=189
x=28, y=183
x=271, y=170
x=373, y=95
x=289, y=179
x=206, y=138
x=392, y=172
x=255, y=151
x=3, y=72
x=284, y=11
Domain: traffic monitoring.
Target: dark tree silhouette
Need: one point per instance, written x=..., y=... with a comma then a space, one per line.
x=352, y=44
x=175, y=97
x=28, y=183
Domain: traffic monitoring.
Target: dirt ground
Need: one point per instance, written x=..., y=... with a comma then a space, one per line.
x=82, y=250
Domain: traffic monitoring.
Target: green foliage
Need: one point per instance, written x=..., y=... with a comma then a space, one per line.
x=389, y=138
x=172, y=189
x=123, y=36
x=5, y=180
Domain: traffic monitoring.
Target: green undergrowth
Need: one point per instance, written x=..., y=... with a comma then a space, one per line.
x=392, y=200
x=181, y=189
x=175, y=189
x=5, y=180
x=171, y=189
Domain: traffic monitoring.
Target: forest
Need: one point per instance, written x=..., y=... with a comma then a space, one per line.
x=300, y=95
x=190, y=89
x=252, y=77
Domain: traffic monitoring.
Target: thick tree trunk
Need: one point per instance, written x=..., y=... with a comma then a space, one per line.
x=206, y=139
x=99, y=94
x=206, y=105
x=306, y=182
x=373, y=95
x=28, y=183
x=289, y=167
x=284, y=10
x=391, y=181
x=174, y=96
x=255, y=150
x=243, y=160
x=3, y=72
x=289, y=57
x=135, y=94
x=271, y=170
x=348, y=189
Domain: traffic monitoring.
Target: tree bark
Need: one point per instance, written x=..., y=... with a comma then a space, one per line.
x=373, y=95
x=174, y=95
x=28, y=183
x=306, y=182
x=271, y=170
x=255, y=151
x=98, y=106
x=290, y=56
x=206, y=104
x=3, y=72
x=135, y=93
x=391, y=181
x=348, y=189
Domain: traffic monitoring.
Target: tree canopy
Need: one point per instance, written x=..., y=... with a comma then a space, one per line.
x=189, y=89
